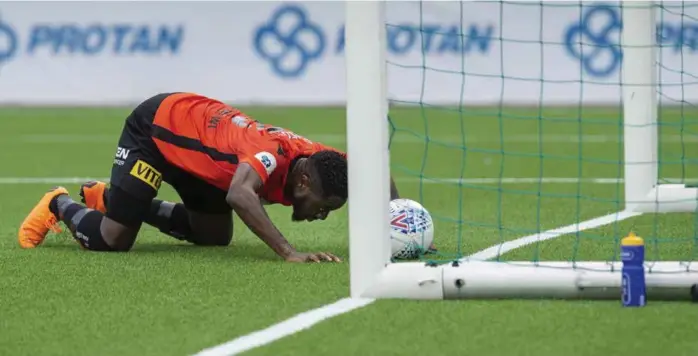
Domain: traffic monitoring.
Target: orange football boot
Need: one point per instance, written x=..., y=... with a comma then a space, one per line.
x=92, y=194
x=40, y=220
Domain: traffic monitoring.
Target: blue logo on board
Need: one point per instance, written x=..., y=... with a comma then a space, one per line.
x=290, y=41
x=8, y=41
x=596, y=48
x=89, y=39
x=289, y=51
x=595, y=40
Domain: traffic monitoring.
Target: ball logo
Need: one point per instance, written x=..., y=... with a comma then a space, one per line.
x=399, y=222
x=409, y=221
x=267, y=160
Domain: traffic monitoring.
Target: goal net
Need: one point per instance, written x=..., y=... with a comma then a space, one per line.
x=537, y=134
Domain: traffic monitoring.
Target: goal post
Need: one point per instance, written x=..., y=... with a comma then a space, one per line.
x=367, y=143
x=373, y=275
x=639, y=73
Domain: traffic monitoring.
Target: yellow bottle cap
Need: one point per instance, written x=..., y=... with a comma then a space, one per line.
x=632, y=240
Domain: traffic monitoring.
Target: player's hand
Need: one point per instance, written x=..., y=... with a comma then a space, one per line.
x=312, y=257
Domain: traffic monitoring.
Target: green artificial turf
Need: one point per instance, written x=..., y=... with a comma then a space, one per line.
x=168, y=298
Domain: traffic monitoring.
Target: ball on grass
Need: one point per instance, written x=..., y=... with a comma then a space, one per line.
x=411, y=229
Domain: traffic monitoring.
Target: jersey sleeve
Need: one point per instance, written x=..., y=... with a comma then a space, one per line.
x=264, y=162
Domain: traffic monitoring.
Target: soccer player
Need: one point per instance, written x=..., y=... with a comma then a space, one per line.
x=218, y=160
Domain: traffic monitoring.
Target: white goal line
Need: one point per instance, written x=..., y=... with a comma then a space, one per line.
x=306, y=320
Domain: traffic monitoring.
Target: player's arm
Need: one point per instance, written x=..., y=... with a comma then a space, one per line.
x=242, y=197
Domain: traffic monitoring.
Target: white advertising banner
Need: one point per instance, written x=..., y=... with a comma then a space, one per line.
x=99, y=53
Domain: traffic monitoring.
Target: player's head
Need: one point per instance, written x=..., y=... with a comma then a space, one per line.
x=321, y=186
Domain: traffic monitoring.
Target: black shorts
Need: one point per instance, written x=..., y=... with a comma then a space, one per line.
x=139, y=169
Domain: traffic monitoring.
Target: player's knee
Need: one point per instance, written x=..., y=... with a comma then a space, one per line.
x=211, y=229
x=212, y=240
x=119, y=237
x=123, y=218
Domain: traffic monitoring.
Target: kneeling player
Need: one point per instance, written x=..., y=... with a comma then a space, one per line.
x=218, y=160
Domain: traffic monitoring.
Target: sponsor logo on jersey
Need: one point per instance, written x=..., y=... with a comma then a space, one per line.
x=121, y=155
x=267, y=160
x=147, y=174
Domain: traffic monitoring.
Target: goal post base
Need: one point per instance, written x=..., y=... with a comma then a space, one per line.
x=671, y=280
x=666, y=198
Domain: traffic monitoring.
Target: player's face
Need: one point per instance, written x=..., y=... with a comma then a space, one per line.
x=311, y=206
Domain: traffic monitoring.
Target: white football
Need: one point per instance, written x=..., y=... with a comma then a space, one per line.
x=411, y=229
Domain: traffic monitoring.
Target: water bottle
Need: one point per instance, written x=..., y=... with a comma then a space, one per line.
x=632, y=254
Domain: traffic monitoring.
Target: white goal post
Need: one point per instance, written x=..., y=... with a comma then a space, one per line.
x=372, y=273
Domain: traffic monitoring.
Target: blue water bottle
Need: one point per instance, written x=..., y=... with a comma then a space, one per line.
x=632, y=254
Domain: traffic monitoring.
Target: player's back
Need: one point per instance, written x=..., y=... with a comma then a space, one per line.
x=209, y=139
x=195, y=133
x=193, y=116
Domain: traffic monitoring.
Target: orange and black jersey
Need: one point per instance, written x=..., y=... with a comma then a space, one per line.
x=209, y=139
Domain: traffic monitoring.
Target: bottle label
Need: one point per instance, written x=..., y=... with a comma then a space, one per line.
x=626, y=289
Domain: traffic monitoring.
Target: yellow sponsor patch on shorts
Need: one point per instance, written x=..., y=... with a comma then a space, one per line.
x=147, y=174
